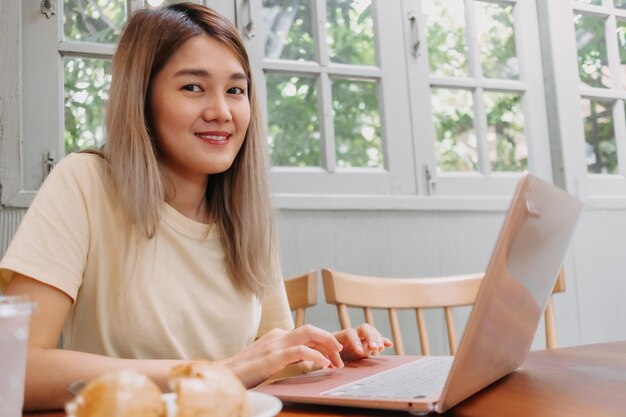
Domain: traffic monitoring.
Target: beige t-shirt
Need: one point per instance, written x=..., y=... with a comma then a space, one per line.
x=167, y=297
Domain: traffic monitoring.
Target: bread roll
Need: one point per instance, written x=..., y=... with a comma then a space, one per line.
x=204, y=389
x=118, y=394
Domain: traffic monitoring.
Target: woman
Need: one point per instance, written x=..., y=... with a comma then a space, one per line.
x=161, y=247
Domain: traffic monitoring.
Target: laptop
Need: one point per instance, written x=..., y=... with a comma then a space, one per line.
x=518, y=282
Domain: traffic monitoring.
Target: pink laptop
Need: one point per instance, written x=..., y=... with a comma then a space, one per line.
x=518, y=282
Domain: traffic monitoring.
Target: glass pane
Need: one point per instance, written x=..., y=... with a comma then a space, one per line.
x=288, y=29
x=293, y=125
x=87, y=84
x=600, y=136
x=93, y=20
x=357, y=124
x=620, y=4
x=453, y=117
x=496, y=37
x=506, y=141
x=596, y=2
x=621, y=44
x=447, y=48
x=350, y=32
x=592, y=56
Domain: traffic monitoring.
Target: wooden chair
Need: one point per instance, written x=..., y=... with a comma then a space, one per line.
x=302, y=294
x=347, y=290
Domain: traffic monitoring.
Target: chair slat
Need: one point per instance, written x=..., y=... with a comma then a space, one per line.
x=344, y=316
x=369, y=317
x=395, y=331
x=421, y=328
x=551, y=342
x=451, y=330
x=299, y=316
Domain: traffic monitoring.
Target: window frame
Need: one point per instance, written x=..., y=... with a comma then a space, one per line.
x=529, y=85
x=327, y=181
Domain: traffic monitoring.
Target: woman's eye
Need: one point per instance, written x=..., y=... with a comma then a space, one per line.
x=192, y=87
x=236, y=90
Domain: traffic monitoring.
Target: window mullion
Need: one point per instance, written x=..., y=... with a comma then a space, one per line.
x=480, y=118
x=327, y=139
x=610, y=27
x=619, y=118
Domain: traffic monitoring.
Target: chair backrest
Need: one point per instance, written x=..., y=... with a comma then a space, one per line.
x=349, y=290
x=302, y=294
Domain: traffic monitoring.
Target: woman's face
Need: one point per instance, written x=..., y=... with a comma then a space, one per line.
x=200, y=109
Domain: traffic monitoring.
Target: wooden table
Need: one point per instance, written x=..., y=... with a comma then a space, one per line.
x=579, y=381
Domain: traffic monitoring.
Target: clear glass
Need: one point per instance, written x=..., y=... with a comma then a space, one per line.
x=350, y=27
x=447, y=46
x=289, y=30
x=595, y=2
x=621, y=44
x=453, y=118
x=593, y=66
x=293, y=125
x=600, y=136
x=14, y=318
x=506, y=141
x=495, y=27
x=620, y=4
x=86, y=92
x=357, y=124
x=98, y=21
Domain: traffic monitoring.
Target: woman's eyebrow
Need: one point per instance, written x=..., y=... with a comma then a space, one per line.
x=202, y=73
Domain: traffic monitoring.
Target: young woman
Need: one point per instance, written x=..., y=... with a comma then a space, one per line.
x=161, y=248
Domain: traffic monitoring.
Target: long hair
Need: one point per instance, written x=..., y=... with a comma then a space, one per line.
x=238, y=198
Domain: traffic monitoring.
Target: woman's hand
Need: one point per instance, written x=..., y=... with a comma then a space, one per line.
x=361, y=342
x=278, y=348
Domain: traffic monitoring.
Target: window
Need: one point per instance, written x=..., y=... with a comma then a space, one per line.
x=478, y=94
x=332, y=75
x=600, y=36
x=368, y=103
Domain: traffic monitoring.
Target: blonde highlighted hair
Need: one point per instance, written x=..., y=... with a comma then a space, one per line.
x=238, y=198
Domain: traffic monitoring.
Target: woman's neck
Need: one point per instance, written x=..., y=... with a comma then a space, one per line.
x=188, y=195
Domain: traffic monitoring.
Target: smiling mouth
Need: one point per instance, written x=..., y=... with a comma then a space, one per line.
x=212, y=138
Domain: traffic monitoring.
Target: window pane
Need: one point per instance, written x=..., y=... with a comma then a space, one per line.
x=620, y=4
x=592, y=56
x=453, y=117
x=505, y=132
x=447, y=47
x=287, y=26
x=357, y=124
x=596, y=2
x=293, y=125
x=621, y=44
x=496, y=37
x=600, y=136
x=350, y=32
x=87, y=84
x=93, y=21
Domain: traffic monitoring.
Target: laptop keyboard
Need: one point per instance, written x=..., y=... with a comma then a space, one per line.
x=417, y=379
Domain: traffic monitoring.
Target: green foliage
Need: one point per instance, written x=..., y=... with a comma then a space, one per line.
x=86, y=82
x=293, y=125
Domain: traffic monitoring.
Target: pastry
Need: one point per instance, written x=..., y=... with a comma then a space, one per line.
x=204, y=389
x=118, y=394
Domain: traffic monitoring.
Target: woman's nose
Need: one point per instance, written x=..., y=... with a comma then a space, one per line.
x=216, y=108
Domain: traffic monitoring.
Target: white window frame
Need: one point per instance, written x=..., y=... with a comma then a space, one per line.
x=608, y=186
x=529, y=85
x=397, y=177
x=32, y=127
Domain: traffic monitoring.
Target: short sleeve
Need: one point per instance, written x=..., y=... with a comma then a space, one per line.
x=51, y=243
x=275, y=312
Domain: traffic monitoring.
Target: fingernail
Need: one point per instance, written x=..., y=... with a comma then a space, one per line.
x=359, y=348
